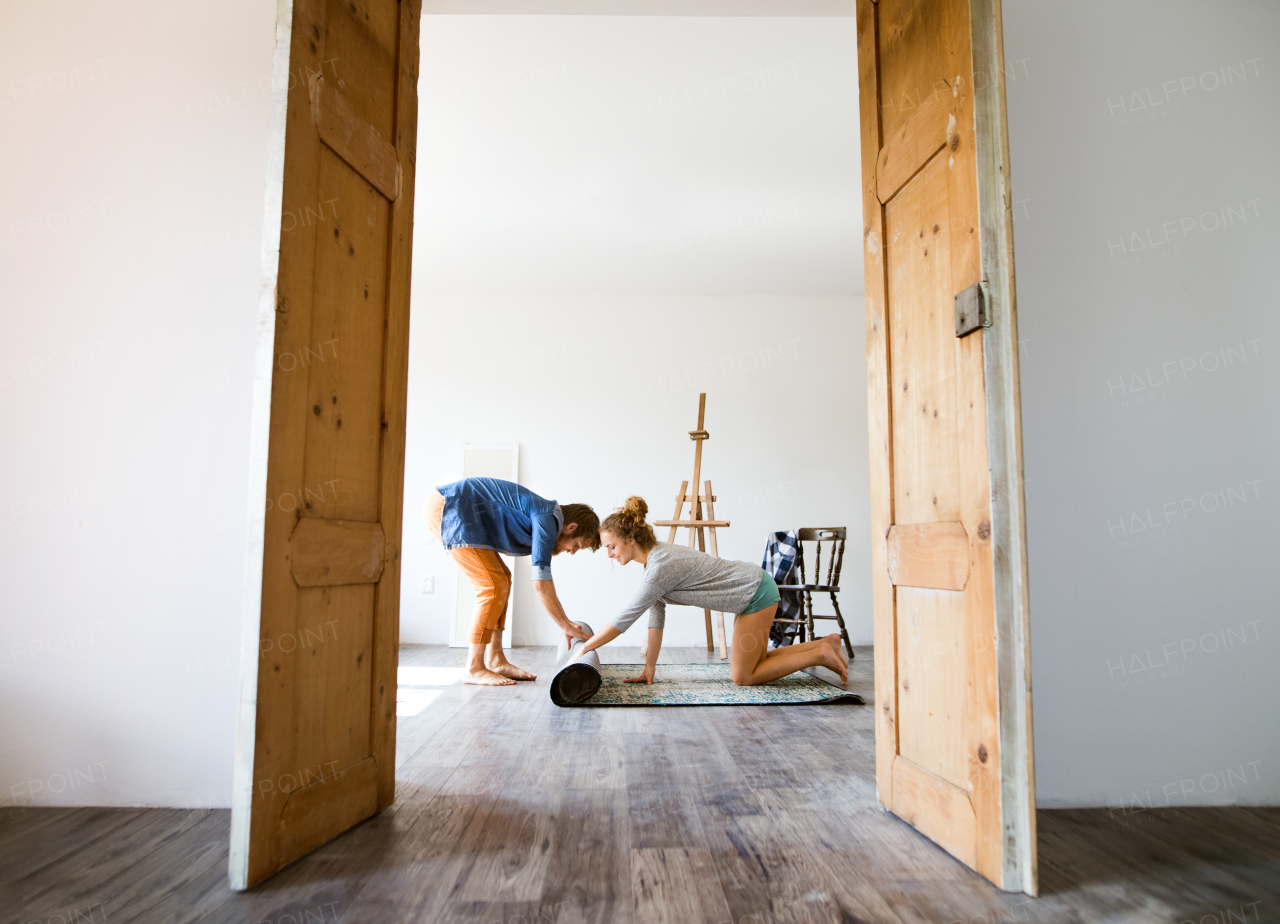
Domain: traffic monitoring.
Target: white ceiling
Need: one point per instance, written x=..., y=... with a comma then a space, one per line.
x=647, y=7
x=638, y=154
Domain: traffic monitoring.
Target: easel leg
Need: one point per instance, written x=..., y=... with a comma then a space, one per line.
x=679, y=509
x=702, y=547
x=695, y=505
x=711, y=515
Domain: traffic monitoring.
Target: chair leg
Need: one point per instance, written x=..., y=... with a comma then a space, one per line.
x=808, y=609
x=844, y=633
x=798, y=629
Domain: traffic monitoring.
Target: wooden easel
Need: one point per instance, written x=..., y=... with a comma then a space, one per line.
x=696, y=524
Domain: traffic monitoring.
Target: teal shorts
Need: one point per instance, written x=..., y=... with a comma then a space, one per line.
x=766, y=594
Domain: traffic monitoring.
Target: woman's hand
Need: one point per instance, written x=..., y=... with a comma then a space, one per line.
x=646, y=675
x=603, y=637
x=650, y=658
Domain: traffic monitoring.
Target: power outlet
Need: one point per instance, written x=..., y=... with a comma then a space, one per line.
x=429, y=584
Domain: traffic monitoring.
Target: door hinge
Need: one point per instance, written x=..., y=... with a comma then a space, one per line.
x=973, y=309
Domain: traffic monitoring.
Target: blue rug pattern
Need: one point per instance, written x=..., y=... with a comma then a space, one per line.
x=710, y=685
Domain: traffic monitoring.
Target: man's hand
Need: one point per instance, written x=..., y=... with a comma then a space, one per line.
x=546, y=591
x=646, y=675
x=572, y=631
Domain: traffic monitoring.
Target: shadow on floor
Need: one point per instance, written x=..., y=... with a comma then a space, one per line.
x=1233, y=852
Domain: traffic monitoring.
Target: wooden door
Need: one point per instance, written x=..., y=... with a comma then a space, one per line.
x=953, y=694
x=315, y=745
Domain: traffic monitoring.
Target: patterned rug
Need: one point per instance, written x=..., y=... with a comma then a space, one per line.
x=710, y=685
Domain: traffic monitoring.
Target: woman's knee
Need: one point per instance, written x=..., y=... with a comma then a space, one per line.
x=741, y=674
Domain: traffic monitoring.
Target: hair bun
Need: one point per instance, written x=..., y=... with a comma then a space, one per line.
x=628, y=524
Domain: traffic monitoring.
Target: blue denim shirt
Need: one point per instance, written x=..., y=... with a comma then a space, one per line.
x=488, y=513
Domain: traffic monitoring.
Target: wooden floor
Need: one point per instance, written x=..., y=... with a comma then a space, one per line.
x=513, y=811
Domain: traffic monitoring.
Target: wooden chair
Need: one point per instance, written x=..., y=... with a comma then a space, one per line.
x=834, y=537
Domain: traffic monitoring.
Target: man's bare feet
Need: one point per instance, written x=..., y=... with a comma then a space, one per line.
x=487, y=678
x=833, y=658
x=507, y=669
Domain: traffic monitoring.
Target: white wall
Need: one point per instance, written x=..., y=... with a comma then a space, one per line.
x=1145, y=186
x=638, y=154
x=613, y=214
x=601, y=401
x=133, y=165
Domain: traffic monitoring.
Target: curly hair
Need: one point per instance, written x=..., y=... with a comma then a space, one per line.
x=628, y=523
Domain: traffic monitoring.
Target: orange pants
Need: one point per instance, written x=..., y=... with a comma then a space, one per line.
x=488, y=574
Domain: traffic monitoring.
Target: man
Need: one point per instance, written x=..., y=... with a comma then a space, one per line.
x=475, y=519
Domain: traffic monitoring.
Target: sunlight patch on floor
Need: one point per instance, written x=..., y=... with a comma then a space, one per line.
x=429, y=676
x=418, y=687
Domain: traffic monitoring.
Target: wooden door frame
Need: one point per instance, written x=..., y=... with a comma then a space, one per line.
x=1004, y=444
x=1004, y=450
x=1004, y=435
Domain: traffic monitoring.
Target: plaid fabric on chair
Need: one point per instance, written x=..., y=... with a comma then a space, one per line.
x=780, y=553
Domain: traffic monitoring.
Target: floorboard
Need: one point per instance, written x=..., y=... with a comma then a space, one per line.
x=510, y=810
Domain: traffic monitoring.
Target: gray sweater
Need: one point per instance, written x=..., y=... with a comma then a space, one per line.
x=677, y=574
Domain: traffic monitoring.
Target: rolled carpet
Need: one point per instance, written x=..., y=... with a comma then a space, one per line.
x=578, y=675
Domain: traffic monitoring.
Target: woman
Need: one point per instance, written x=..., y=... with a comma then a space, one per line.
x=681, y=575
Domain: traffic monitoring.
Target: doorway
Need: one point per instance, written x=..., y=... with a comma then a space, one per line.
x=602, y=355
x=638, y=210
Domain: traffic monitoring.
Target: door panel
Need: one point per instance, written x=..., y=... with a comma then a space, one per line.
x=316, y=731
x=932, y=678
x=923, y=349
x=929, y=555
x=339, y=670
x=949, y=582
x=943, y=811
x=348, y=313
x=912, y=58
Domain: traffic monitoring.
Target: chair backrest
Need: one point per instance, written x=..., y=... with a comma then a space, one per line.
x=834, y=537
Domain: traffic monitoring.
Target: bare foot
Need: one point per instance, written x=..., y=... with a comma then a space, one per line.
x=837, y=643
x=507, y=669
x=487, y=678
x=833, y=659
